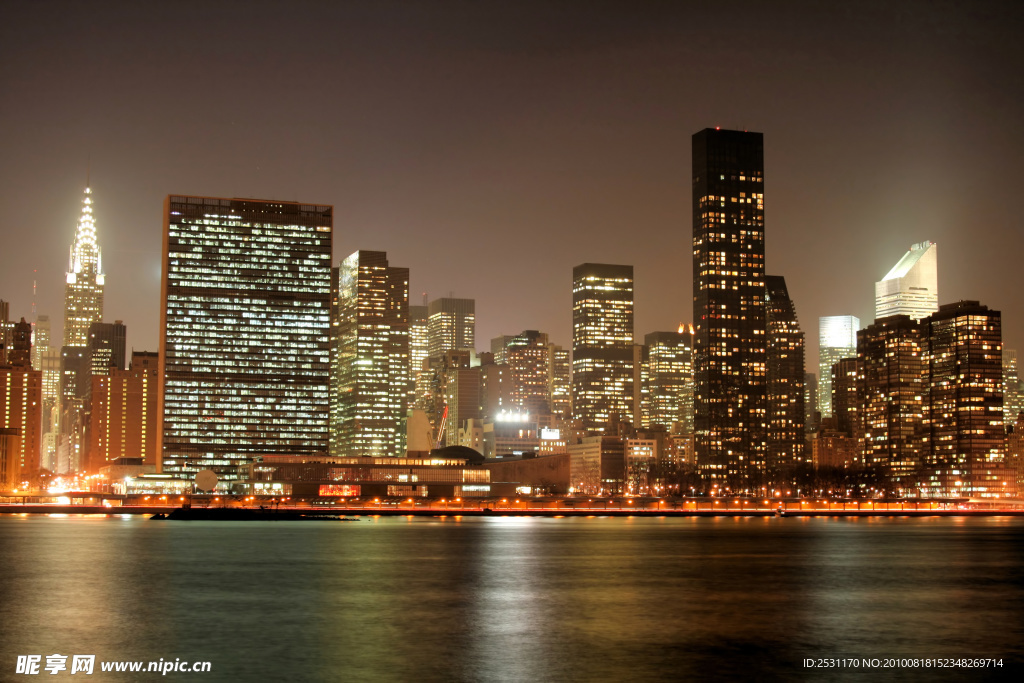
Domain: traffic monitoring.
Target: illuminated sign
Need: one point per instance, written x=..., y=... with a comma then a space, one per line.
x=346, y=490
x=551, y=434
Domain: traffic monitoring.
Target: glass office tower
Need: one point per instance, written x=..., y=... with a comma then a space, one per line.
x=602, y=344
x=244, y=367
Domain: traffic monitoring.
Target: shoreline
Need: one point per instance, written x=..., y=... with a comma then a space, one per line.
x=283, y=514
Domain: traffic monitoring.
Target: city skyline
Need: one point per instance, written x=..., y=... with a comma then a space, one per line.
x=526, y=157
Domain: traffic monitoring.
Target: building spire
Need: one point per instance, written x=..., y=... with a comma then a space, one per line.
x=85, y=254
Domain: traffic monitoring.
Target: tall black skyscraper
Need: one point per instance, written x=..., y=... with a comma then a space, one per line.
x=787, y=441
x=729, y=304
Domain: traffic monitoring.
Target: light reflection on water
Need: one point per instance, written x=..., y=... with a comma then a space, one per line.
x=513, y=598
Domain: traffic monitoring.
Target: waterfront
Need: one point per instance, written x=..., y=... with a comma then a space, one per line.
x=515, y=598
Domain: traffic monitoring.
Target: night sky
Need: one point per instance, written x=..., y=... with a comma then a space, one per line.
x=490, y=147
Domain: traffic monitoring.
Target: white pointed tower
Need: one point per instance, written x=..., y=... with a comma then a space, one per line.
x=83, y=293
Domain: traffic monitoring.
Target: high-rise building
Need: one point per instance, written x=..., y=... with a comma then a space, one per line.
x=244, y=329
x=419, y=352
x=730, y=349
x=5, y=330
x=499, y=345
x=602, y=344
x=451, y=325
x=122, y=416
x=1013, y=397
x=83, y=292
x=912, y=287
x=75, y=370
x=21, y=406
x=890, y=396
x=845, y=402
x=527, y=356
x=837, y=339
x=787, y=442
x=668, y=379
x=107, y=347
x=40, y=339
x=370, y=369
x=811, y=412
x=559, y=381
x=964, y=435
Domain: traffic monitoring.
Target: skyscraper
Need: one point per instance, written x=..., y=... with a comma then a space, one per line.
x=244, y=327
x=602, y=344
x=528, y=356
x=787, y=442
x=451, y=325
x=837, y=339
x=122, y=415
x=912, y=286
x=730, y=350
x=21, y=402
x=668, y=396
x=1013, y=398
x=370, y=370
x=419, y=352
x=891, y=394
x=964, y=435
x=83, y=291
x=107, y=347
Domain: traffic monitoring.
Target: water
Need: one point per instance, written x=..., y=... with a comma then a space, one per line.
x=514, y=599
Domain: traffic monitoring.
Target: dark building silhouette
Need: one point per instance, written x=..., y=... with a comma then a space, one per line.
x=107, y=347
x=730, y=352
x=787, y=441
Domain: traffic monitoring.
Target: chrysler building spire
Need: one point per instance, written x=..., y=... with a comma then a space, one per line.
x=83, y=293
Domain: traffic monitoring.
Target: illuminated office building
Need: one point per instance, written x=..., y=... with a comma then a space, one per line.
x=730, y=350
x=787, y=443
x=1013, y=397
x=244, y=367
x=419, y=352
x=964, y=431
x=75, y=371
x=891, y=393
x=370, y=369
x=837, y=339
x=83, y=292
x=602, y=344
x=528, y=357
x=21, y=403
x=668, y=380
x=911, y=288
x=122, y=415
x=451, y=325
x=559, y=381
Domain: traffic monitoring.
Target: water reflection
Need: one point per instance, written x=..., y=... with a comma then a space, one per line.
x=511, y=598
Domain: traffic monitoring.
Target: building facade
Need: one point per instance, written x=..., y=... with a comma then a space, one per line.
x=964, y=435
x=370, y=369
x=123, y=414
x=911, y=288
x=730, y=349
x=451, y=325
x=83, y=292
x=891, y=395
x=602, y=344
x=787, y=441
x=244, y=325
x=668, y=380
x=837, y=339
